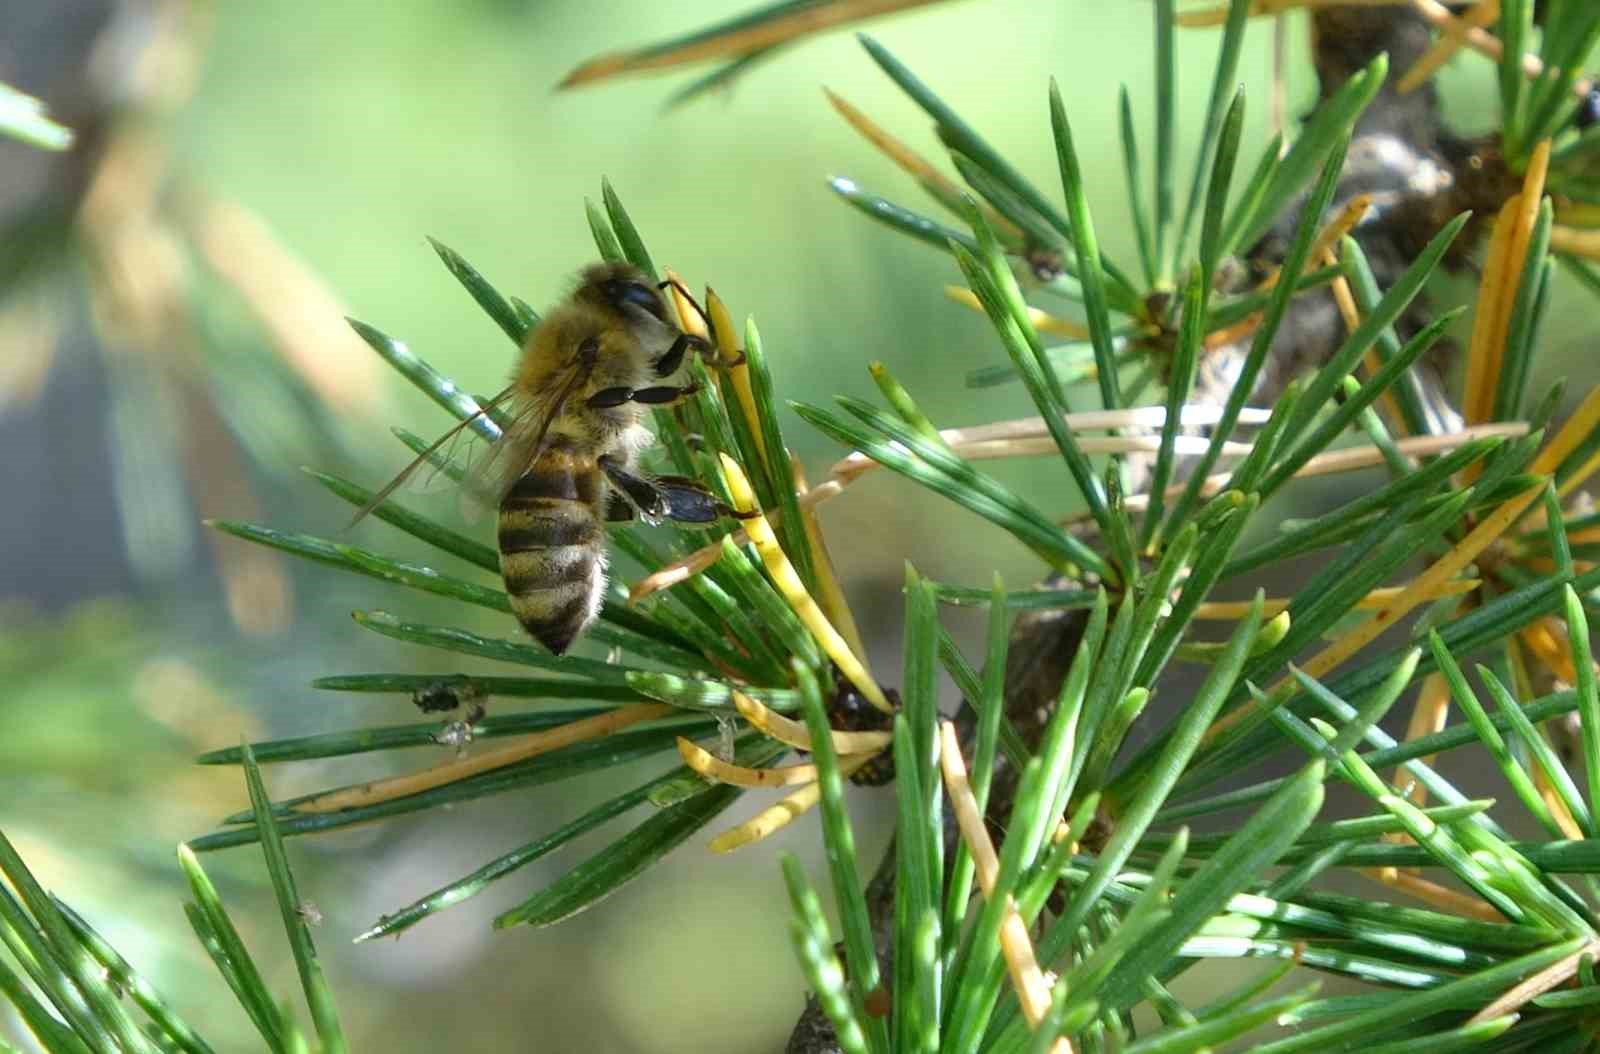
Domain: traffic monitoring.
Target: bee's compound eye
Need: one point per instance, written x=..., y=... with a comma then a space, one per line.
x=639, y=295
x=1589, y=110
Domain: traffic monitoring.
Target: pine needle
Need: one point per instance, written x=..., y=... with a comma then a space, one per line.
x=787, y=730
x=1033, y=991
x=793, y=590
x=1042, y=320
x=714, y=768
x=774, y=818
x=1230, y=610
x=539, y=743
x=1451, y=40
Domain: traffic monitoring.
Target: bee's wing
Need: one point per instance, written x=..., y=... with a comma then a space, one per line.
x=1438, y=414
x=526, y=433
x=435, y=454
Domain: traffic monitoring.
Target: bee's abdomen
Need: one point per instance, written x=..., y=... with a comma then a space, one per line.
x=551, y=552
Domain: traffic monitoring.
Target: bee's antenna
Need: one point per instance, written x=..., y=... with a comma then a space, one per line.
x=673, y=283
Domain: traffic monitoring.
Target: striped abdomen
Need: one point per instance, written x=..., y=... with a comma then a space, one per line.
x=552, y=555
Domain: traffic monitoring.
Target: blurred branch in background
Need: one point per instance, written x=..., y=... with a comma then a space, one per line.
x=24, y=118
x=103, y=711
x=194, y=406
x=87, y=996
x=161, y=354
x=741, y=41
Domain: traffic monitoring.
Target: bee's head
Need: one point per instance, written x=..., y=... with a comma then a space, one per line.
x=622, y=289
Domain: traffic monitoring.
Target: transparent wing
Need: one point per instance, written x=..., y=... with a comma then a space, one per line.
x=449, y=466
x=526, y=433
x=440, y=455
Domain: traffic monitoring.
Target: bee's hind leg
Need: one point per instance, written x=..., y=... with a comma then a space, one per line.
x=675, y=498
x=618, y=508
x=636, y=491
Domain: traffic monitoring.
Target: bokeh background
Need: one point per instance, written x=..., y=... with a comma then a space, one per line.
x=170, y=349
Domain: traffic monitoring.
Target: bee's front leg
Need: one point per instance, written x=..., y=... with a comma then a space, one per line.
x=674, y=355
x=672, y=358
x=675, y=498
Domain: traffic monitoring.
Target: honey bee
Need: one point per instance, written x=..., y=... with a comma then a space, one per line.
x=572, y=433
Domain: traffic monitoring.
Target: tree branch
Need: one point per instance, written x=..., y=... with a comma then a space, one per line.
x=1424, y=176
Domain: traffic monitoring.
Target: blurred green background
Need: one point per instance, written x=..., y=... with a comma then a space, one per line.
x=351, y=132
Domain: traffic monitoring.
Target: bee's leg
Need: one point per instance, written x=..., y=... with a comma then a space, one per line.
x=688, y=501
x=672, y=358
x=608, y=397
x=618, y=508
x=705, y=347
x=673, y=283
x=664, y=395
x=635, y=490
x=666, y=497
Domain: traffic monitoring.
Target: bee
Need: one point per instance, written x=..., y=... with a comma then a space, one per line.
x=1588, y=114
x=572, y=433
x=445, y=694
x=849, y=710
